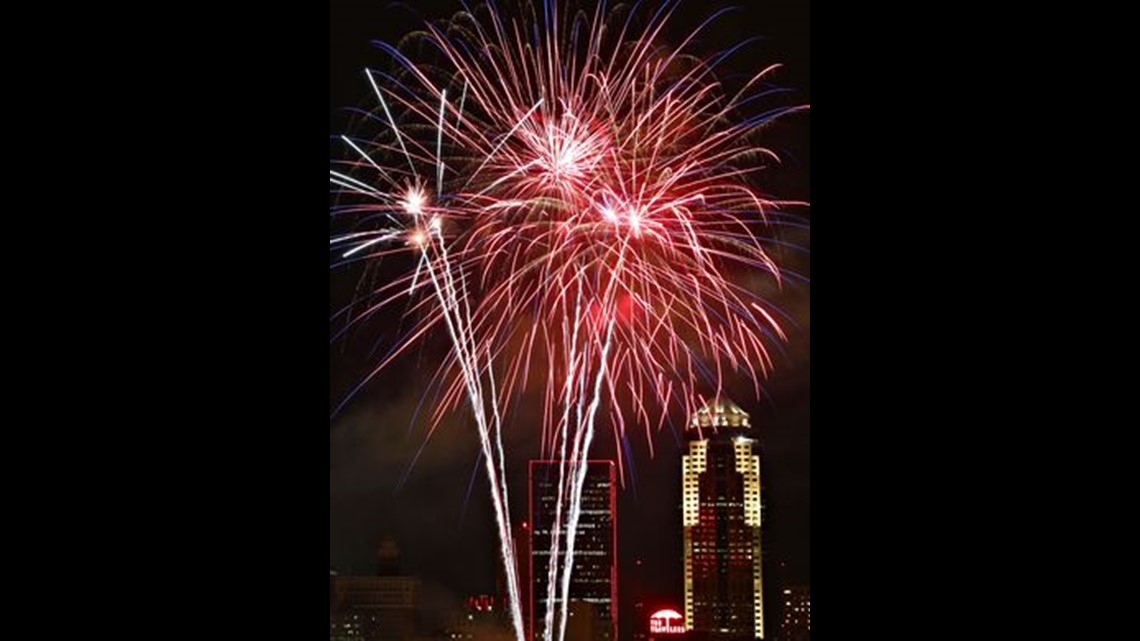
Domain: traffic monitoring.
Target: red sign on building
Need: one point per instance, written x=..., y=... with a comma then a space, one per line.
x=666, y=622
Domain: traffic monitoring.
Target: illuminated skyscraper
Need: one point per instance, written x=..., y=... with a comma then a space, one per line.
x=721, y=519
x=594, y=577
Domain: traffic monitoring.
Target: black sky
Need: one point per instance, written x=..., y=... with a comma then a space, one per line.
x=443, y=529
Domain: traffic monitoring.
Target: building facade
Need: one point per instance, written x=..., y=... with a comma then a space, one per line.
x=795, y=624
x=374, y=608
x=383, y=607
x=481, y=620
x=594, y=579
x=721, y=517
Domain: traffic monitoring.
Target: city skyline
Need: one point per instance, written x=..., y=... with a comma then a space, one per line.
x=388, y=476
x=649, y=531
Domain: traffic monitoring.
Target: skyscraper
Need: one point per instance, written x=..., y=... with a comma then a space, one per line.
x=721, y=519
x=594, y=576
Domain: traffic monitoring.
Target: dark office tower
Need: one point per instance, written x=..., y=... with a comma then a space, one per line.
x=594, y=576
x=795, y=624
x=721, y=519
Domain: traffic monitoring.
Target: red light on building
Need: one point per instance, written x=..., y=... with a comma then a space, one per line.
x=481, y=603
x=666, y=622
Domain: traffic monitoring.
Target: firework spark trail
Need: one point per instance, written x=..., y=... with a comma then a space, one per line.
x=574, y=466
x=577, y=464
x=463, y=339
x=556, y=527
x=559, y=572
x=554, y=565
x=577, y=468
x=490, y=439
x=456, y=315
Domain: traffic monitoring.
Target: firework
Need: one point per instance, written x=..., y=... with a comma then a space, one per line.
x=579, y=217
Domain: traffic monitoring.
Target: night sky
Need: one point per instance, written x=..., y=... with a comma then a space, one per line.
x=437, y=509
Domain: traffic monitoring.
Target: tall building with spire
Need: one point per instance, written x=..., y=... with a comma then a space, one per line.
x=721, y=516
